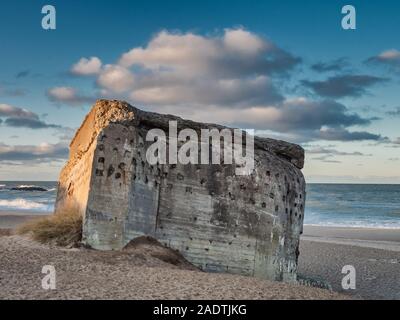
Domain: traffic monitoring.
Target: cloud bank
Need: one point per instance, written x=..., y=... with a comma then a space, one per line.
x=22, y=118
x=232, y=78
x=343, y=85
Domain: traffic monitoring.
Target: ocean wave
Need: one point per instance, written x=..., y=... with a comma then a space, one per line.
x=24, y=187
x=23, y=204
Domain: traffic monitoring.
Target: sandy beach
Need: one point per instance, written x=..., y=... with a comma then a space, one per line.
x=375, y=254
x=147, y=272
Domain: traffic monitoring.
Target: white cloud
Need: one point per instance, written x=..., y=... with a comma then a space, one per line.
x=68, y=95
x=62, y=93
x=392, y=54
x=116, y=79
x=234, y=68
x=389, y=58
x=85, y=67
x=244, y=42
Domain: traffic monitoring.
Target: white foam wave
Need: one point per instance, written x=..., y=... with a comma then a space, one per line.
x=28, y=186
x=22, y=204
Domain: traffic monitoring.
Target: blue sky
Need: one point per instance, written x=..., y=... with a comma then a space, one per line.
x=297, y=75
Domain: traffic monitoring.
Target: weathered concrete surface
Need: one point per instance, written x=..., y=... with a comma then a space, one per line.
x=217, y=220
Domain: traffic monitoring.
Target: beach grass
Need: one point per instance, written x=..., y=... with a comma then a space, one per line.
x=63, y=228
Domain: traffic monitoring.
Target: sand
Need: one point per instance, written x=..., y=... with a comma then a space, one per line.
x=377, y=270
x=149, y=272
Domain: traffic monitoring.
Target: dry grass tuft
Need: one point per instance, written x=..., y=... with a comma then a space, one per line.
x=63, y=228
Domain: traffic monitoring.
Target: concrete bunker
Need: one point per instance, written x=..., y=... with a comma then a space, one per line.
x=219, y=221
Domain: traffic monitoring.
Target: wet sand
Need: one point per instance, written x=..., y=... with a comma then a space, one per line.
x=12, y=219
x=137, y=274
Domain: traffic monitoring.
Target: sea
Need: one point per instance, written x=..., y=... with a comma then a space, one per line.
x=338, y=205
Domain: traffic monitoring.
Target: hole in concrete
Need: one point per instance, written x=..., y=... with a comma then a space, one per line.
x=99, y=173
x=263, y=205
x=268, y=173
x=117, y=175
x=101, y=160
x=110, y=171
x=276, y=208
x=121, y=166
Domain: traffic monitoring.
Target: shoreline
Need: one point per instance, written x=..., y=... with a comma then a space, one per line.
x=385, y=239
x=331, y=234
x=10, y=220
